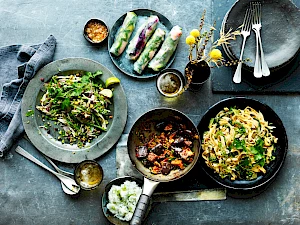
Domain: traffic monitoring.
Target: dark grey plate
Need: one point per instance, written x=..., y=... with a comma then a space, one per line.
x=126, y=65
x=47, y=143
x=105, y=201
x=280, y=32
x=279, y=132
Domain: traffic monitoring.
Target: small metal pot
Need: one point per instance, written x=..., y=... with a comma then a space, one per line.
x=151, y=181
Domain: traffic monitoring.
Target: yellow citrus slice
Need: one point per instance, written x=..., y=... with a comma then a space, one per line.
x=107, y=93
x=111, y=80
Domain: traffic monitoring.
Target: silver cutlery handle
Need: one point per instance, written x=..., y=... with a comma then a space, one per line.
x=264, y=66
x=237, y=78
x=257, y=64
x=22, y=152
x=58, y=169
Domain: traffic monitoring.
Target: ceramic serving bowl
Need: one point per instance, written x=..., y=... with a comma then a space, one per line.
x=281, y=146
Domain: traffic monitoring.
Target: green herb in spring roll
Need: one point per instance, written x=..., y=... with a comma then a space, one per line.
x=149, y=51
x=167, y=49
x=124, y=34
x=141, y=37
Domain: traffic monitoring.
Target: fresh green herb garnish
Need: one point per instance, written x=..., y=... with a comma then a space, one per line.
x=29, y=113
x=76, y=103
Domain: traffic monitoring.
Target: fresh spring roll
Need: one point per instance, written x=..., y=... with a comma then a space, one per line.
x=149, y=51
x=141, y=37
x=167, y=49
x=124, y=34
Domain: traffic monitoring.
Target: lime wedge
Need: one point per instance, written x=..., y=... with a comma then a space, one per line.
x=107, y=93
x=111, y=80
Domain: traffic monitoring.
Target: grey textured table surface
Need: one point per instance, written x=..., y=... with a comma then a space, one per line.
x=29, y=195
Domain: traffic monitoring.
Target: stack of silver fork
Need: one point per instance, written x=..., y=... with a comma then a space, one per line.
x=252, y=20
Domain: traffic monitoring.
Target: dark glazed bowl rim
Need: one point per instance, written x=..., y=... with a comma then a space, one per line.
x=99, y=21
x=281, y=146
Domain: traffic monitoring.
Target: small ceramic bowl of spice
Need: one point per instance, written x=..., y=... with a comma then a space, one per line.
x=88, y=174
x=170, y=82
x=95, y=31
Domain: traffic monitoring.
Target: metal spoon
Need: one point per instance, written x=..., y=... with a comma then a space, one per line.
x=68, y=182
x=71, y=175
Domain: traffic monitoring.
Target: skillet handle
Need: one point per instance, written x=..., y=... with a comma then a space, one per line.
x=140, y=210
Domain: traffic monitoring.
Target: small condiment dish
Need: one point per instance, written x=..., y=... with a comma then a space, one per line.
x=88, y=174
x=95, y=31
x=170, y=82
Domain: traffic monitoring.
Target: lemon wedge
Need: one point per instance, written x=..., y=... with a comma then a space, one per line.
x=106, y=92
x=111, y=80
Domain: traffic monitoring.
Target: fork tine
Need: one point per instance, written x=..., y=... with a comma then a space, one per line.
x=259, y=13
x=249, y=19
x=244, y=22
x=256, y=13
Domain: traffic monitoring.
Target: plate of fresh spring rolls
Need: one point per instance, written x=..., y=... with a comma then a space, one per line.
x=142, y=42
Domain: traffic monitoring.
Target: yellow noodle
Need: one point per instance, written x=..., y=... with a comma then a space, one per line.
x=235, y=136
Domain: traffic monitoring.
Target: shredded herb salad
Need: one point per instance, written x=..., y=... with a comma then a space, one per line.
x=79, y=103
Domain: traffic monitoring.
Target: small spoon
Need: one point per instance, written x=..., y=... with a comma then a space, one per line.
x=63, y=186
x=67, y=181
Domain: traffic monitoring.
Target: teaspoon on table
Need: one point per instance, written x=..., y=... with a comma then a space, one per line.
x=67, y=181
x=63, y=186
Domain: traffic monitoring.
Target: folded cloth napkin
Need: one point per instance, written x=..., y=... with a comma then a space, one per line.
x=18, y=64
x=124, y=164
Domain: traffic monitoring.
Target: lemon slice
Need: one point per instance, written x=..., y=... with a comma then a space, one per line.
x=107, y=93
x=111, y=80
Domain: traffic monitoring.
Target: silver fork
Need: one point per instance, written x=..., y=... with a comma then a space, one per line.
x=260, y=67
x=237, y=78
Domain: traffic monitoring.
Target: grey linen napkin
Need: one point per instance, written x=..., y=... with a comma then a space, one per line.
x=18, y=64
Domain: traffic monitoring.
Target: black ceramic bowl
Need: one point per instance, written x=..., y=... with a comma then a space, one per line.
x=118, y=181
x=281, y=147
x=85, y=34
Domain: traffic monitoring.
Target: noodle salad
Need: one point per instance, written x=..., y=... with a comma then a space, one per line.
x=239, y=143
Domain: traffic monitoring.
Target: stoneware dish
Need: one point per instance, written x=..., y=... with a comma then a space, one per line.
x=118, y=181
x=48, y=143
x=123, y=63
x=280, y=31
x=281, y=146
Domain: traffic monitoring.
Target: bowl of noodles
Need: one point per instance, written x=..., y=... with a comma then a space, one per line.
x=244, y=143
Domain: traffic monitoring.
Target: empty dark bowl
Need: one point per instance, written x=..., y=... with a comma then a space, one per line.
x=92, y=30
x=281, y=147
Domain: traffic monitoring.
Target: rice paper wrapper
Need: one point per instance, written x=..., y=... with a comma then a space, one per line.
x=151, y=48
x=124, y=34
x=138, y=42
x=167, y=49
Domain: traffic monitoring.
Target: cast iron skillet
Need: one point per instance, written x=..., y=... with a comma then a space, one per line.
x=279, y=132
x=148, y=121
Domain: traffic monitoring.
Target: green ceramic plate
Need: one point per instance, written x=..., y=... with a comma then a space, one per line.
x=48, y=143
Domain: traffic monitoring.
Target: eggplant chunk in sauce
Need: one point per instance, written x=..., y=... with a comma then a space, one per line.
x=169, y=148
